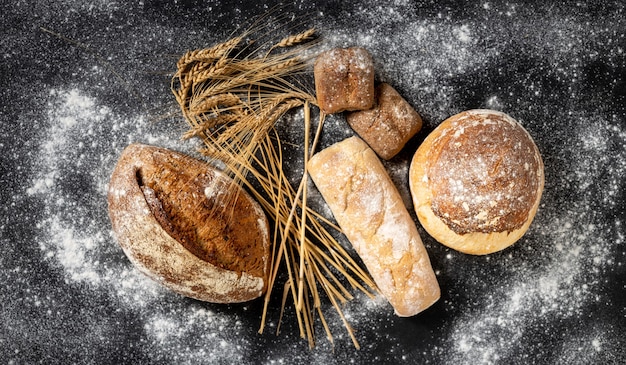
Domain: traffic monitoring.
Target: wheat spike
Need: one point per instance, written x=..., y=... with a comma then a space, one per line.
x=207, y=55
x=231, y=101
x=296, y=39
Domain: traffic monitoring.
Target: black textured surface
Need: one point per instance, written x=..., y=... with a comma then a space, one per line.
x=70, y=104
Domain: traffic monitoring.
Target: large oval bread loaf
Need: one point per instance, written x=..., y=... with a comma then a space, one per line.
x=372, y=215
x=187, y=226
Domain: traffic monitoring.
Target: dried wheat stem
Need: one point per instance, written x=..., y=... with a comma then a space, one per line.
x=207, y=123
x=210, y=71
x=232, y=102
x=303, y=218
x=210, y=104
x=289, y=65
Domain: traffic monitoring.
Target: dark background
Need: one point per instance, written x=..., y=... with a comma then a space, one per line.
x=71, y=101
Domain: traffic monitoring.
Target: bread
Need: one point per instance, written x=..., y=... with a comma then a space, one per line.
x=389, y=125
x=476, y=181
x=187, y=226
x=344, y=80
x=370, y=211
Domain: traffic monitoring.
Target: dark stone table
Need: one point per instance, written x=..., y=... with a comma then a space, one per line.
x=80, y=80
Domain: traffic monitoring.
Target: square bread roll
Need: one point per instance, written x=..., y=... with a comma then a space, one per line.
x=389, y=125
x=344, y=80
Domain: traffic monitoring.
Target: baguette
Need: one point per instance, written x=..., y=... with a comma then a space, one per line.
x=370, y=211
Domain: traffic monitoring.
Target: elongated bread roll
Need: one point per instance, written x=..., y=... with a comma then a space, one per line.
x=370, y=211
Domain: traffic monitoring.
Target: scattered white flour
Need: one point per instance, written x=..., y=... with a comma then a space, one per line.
x=76, y=159
x=556, y=273
x=540, y=309
x=75, y=236
x=573, y=248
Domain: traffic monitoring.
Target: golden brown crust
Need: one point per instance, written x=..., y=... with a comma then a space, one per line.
x=477, y=181
x=370, y=211
x=185, y=225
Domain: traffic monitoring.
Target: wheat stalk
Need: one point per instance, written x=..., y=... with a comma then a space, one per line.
x=232, y=101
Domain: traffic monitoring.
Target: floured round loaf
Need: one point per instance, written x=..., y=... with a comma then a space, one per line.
x=476, y=181
x=372, y=215
x=187, y=226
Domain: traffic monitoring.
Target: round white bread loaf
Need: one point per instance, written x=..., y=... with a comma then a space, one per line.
x=372, y=215
x=187, y=226
x=476, y=181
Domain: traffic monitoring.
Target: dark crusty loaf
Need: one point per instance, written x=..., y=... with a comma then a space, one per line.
x=187, y=226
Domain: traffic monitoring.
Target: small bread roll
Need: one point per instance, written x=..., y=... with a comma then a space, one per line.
x=344, y=79
x=370, y=211
x=389, y=125
x=187, y=226
x=476, y=181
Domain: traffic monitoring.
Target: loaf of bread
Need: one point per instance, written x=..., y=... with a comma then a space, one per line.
x=476, y=181
x=370, y=211
x=187, y=226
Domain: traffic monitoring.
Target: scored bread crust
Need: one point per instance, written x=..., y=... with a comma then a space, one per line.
x=477, y=181
x=159, y=247
x=372, y=215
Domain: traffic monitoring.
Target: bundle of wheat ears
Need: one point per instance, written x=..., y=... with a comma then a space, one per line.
x=232, y=95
